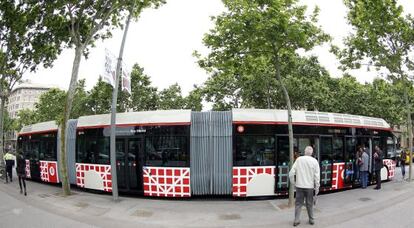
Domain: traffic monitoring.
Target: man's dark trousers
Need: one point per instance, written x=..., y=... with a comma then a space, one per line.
x=378, y=178
x=9, y=173
x=304, y=194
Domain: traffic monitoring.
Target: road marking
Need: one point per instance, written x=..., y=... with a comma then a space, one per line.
x=274, y=205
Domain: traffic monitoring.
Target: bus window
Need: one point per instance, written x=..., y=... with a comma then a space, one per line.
x=34, y=150
x=303, y=143
x=92, y=148
x=282, y=150
x=326, y=149
x=26, y=149
x=104, y=150
x=254, y=150
x=166, y=151
x=350, y=149
x=391, y=148
x=381, y=142
x=48, y=150
x=307, y=141
x=338, y=149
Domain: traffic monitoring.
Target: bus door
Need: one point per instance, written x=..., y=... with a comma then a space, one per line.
x=135, y=162
x=34, y=160
x=282, y=163
x=326, y=160
x=351, y=174
x=129, y=156
x=366, y=143
x=282, y=158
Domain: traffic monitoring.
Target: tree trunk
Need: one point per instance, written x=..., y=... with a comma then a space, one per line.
x=409, y=130
x=290, y=127
x=68, y=107
x=2, y=110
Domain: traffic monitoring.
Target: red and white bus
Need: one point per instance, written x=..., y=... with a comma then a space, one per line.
x=180, y=153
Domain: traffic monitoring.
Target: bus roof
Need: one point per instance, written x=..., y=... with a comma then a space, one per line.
x=272, y=116
x=160, y=117
x=240, y=116
x=39, y=128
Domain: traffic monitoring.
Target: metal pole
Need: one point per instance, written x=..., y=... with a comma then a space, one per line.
x=2, y=114
x=409, y=131
x=113, y=114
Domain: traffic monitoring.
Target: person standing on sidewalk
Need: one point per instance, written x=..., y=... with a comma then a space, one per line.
x=21, y=172
x=307, y=173
x=403, y=157
x=363, y=168
x=377, y=156
x=9, y=160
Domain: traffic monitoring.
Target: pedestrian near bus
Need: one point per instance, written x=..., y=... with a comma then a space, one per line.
x=305, y=175
x=403, y=157
x=358, y=161
x=377, y=158
x=21, y=172
x=363, y=168
x=9, y=160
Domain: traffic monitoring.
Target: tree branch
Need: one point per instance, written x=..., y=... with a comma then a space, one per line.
x=74, y=34
x=99, y=26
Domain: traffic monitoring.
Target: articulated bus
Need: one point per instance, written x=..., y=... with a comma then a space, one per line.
x=180, y=153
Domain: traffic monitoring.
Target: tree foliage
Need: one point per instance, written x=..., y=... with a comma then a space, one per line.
x=99, y=100
x=25, y=44
x=144, y=96
x=171, y=98
x=26, y=117
x=50, y=105
x=384, y=37
x=194, y=99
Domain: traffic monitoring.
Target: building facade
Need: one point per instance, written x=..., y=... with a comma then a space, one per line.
x=23, y=96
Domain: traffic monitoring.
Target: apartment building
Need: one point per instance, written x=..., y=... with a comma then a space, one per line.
x=24, y=96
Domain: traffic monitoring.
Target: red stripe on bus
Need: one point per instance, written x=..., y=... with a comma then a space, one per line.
x=133, y=125
x=37, y=132
x=309, y=124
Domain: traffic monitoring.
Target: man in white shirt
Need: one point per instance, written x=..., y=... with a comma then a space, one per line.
x=307, y=173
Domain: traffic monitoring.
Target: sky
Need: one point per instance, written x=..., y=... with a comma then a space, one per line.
x=162, y=42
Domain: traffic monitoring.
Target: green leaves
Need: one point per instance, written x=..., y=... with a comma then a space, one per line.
x=171, y=98
x=144, y=95
x=382, y=35
x=24, y=42
x=82, y=23
x=244, y=44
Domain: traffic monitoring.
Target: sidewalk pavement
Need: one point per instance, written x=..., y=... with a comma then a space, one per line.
x=98, y=210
